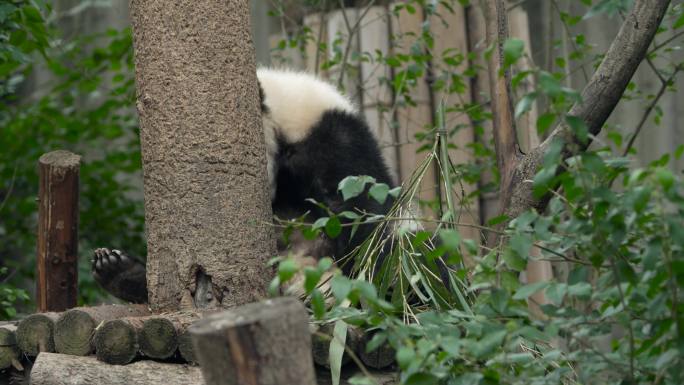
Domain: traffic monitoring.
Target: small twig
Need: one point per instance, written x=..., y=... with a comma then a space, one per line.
x=598, y=352
x=666, y=42
x=11, y=187
x=351, y=31
x=572, y=41
x=629, y=327
x=321, y=24
x=650, y=108
x=9, y=275
x=655, y=70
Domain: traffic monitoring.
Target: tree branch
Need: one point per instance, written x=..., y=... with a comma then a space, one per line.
x=505, y=139
x=599, y=98
x=649, y=109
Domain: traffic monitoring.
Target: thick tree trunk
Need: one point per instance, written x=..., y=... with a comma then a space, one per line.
x=59, y=369
x=264, y=343
x=207, y=197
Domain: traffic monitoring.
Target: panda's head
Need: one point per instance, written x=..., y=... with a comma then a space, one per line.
x=295, y=101
x=292, y=104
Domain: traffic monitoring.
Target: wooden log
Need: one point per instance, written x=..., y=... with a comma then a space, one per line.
x=75, y=328
x=116, y=341
x=182, y=322
x=320, y=344
x=60, y=369
x=380, y=358
x=185, y=348
x=14, y=376
x=35, y=333
x=263, y=343
x=120, y=340
x=57, y=256
x=379, y=377
x=159, y=336
x=9, y=351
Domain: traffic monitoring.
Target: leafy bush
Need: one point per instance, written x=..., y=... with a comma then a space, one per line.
x=85, y=107
x=613, y=233
x=614, y=316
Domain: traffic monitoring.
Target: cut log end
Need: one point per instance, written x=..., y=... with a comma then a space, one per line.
x=75, y=328
x=380, y=358
x=73, y=333
x=60, y=158
x=320, y=344
x=158, y=338
x=187, y=352
x=9, y=351
x=116, y=342
x=35, y=333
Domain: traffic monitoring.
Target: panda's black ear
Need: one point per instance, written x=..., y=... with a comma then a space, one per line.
x=264, y=109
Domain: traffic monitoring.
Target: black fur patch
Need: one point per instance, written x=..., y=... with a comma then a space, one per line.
x=264, y=108
x=339, y=145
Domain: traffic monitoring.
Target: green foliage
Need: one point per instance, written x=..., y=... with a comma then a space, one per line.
x=623, y=251
x=85, y=107
x=10, y=297
x=612, y=315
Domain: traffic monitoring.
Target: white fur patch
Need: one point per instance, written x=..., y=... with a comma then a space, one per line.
x=296, y=101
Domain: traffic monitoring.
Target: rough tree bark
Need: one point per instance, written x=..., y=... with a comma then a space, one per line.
x=599, y=98
x=204, y=160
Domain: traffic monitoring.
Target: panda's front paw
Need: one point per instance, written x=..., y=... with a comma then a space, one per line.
x=120, y=274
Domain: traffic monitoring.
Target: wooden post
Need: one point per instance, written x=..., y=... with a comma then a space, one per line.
x=264, y=343
x=57, y=259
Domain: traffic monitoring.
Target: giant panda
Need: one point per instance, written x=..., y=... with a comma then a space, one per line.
x=315, y=137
